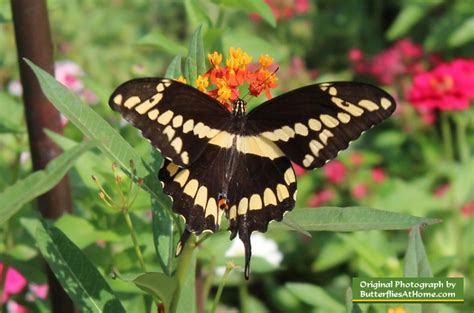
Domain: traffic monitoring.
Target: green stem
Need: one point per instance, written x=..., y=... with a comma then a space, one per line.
x=138, y=252
x=229, y=268
x=182, y=271
x=243, y=295
x=447, y=136
x=463, y=145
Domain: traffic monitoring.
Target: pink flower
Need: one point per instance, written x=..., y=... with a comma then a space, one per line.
x=68, y=74
x=468, y=209
x=441, y=190
x=41, y=291
x=448, y=87
x=13, y=307
x=15, y=88
x=14, y=283
x=320, y=198
x=335, y=171
x=89, y=96
x=356, y=158
x=378, y=175
x=402, y=58
x=359, y=191
x=284, y=9
x=298, y=169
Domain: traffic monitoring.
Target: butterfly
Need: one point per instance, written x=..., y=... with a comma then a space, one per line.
x=236, y=163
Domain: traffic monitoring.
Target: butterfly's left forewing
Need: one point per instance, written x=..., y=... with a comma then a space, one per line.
x=178, y=119
x=312, y=124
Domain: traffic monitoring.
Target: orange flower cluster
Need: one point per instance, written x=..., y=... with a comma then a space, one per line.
x=223, y=82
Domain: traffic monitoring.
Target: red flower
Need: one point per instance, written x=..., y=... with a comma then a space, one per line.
x=448, y=87
x=298, y=169
x=378, y=175
x=335, y=171
x=320, y=198
x=468, y=209
x=441, y=190
x=359, y=191
x=284, y=9
x=403, y=58
x=356, y=158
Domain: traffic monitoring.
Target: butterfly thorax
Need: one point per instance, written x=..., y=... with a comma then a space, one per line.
x=239, y=108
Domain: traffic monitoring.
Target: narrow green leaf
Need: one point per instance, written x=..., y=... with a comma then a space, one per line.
x=416, y=260
x=417, y=265
x=195, y=61
x=95, y=127
x=411, y=14
x=78, y=276
x=163, y=230
x=187, y=299
x=251, y=6
x=351, y=307
x=196, y=14
x=351, y=219
x=161, y=41
x=315, y=296
x=174, y=69
x=23, y=191
x=159, y=285
x=462, y=34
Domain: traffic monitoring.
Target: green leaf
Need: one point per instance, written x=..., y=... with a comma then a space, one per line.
x=78, y=276
x=411, y=14
x=95, y=127
x=11, y=115
x=251, y=6
x=161, y=41
x=174, y=69
x=416, y=260
x=163, y=239
x=195, y=61
x=315, y=296
x=351, y=307
x=23, y=191
x=196, y=14
x=159, y=285
x=417, y=265
x=351, y=219
x=462, y=34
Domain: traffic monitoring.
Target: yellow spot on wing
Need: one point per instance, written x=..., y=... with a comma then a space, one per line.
x=315, y=147
x=243, y=206
x=255, y=202
x=223, y=140
x=153, y=114
x=289, y=131
x=281, y=135
x=160, y=87
x=191, y=188
x=301, y=129
x=172, y=169
x=314, y=124
x=344, y=117
x=289, y=176
x=211, y=208
x=177, y=144
x=308, y=159
x=385, y=103
x=165, y=118
x=282, y=192
x=328, y=120
x=118, y=99
x=131, y=102
x=148, y=104
x=332, y=91
x=177, y=121
x=269, y=197
x=201, y=197
x=369, y=105
x=168, y=131
x=233, y=212
x=188, y=126
x=324, y=136
x=347, y=106
x=182, y=177
x=185, y=157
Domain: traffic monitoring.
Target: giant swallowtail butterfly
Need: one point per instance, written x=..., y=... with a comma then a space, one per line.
x=236, y=163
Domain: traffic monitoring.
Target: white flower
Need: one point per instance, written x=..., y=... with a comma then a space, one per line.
x=262, y=247
x=15, y=88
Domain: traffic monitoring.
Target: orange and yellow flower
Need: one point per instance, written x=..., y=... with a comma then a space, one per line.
x=224, y=82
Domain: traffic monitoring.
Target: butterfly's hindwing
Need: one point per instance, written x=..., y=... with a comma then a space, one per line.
x=178, y=119
x=312, y=124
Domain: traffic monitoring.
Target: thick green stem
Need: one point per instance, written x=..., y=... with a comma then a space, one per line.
x=138, y=252
x=229, y=268
x=182, y=270
x=447, y=136
x=243, y=295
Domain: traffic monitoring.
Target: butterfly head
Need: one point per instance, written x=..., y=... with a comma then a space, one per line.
x=239, y=107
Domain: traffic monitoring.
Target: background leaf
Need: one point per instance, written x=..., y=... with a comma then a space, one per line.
x=159, y=285
x=195, y=62
x=251, y=6
x=78, y=276
x=174, y=68
x=39, y=182
x=351, y=219
x=315, y=296
x=163, y=42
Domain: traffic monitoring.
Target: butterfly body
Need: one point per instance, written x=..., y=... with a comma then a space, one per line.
x=237, y=164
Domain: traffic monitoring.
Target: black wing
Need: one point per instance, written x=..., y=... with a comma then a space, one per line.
x=312, y=124
x=179, y=120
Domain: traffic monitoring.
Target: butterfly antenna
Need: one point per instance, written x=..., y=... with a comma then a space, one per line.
x=261, y=84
